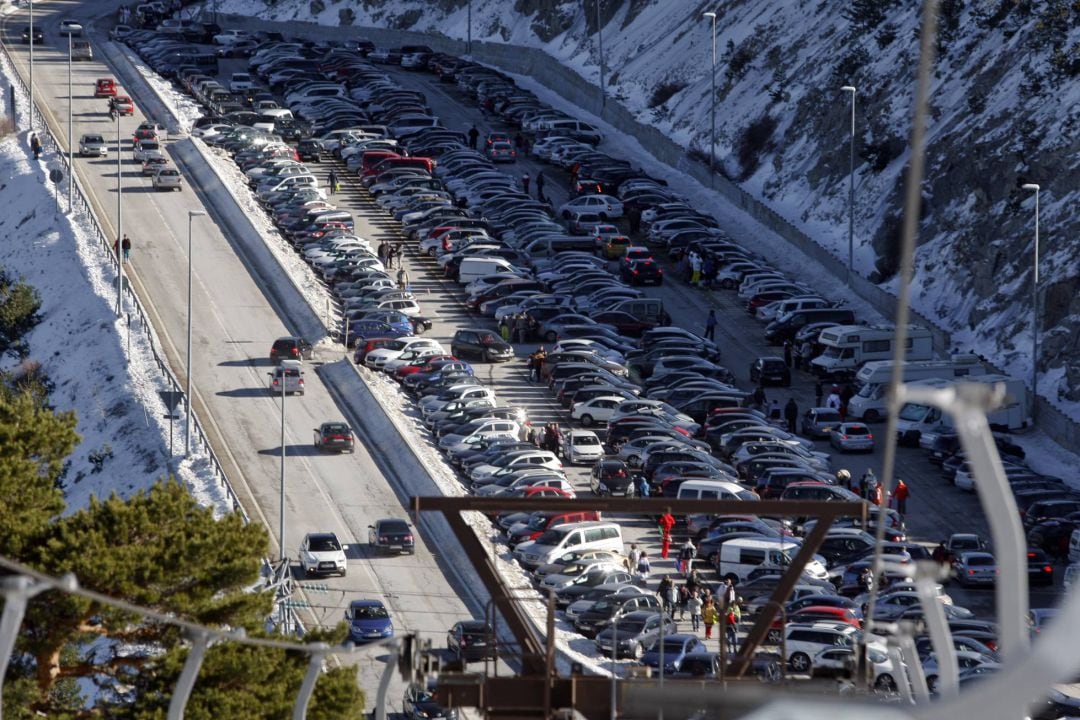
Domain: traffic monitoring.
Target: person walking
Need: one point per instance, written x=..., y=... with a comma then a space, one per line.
x=727, y=594
x=710, y=325
x=540, y=186
x=35, y=145
x=709, y=616
x=684, y=600
x=643, y=566
x=474, y=135
x=126, y=247
x=672, y=596
x=667, y=521
x=643, y=487
x=787, y=353
x=791, y=414
x=662, y=591
x=332, y=181
x=525, y=182
x=403, y=279
x=731, y=624
x=901, y=494
x=695, y=269
x=687, y=554
x=758, y=396
x=867, y=484
x=116, y=248
x=633, y=556
x=391, y=256
x=833, y=401
x=537, y=363
x=819, y=391
x=695, y=605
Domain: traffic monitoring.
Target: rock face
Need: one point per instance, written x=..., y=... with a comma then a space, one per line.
x=1005, y=111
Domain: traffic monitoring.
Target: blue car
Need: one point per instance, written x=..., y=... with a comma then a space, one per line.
x=398, y=321
x=368, y=621
x=676, y=648
x=361, y=330
x=456, y=368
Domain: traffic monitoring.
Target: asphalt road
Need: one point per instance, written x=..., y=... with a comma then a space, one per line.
x=234, y=323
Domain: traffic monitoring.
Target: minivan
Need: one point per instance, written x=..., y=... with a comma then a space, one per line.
x=714, y=490
x=644, y=309
x=784, y=327
x=472, y=268
x=540, y=523
x=740, y=556
x=564, y=538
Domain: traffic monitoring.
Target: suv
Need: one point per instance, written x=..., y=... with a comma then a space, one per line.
x=322, y=553
x=770, y=370
x=482, y=344
x=804, y=641
x=290, y=348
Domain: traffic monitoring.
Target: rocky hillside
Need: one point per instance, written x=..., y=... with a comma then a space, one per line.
x=1005, y=111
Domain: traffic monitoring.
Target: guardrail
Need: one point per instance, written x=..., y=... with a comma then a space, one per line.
x=82, y=208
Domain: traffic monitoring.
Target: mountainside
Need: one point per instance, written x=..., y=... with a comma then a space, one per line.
x=1005, y=111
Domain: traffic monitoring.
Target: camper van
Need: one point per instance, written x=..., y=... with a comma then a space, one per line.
x=921, y=424
x=873, y=378
x=849, y=346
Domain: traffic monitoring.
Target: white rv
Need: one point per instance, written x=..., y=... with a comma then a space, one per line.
x=849, y=346
x=921, y=424
x=872, y=379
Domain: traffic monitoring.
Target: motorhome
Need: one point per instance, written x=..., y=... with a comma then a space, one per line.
x=919, y=424
x=847, y=347
x=873, y=378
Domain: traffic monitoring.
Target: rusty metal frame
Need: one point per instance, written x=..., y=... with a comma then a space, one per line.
x=535, y=651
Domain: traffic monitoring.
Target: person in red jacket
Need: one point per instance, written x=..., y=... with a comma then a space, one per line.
x=667, y=521
x=901, y=494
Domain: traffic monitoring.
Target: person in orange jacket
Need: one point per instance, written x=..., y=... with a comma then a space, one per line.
x=667, y=521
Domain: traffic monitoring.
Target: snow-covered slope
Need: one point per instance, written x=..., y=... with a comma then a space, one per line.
x=1006, y=105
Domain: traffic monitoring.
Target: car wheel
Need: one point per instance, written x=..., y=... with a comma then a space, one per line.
x=773, y=638
x=799, y=662
x=551, y=336
x=586, y=420
x=885, y=682
x=639, y=651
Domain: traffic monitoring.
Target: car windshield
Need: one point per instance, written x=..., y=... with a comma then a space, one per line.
x=324, y=544
x=586, y=440
x=857, y=430
x=370, y=612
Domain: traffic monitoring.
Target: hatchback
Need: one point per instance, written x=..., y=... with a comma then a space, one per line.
x=334, y=436
x=368, y=621
x=290, y=348
x=471, y=640
x=482, y=344
x=642, y=271
x=852, y=437
x=611, y=477
x=770, y=371
x=975, y=568
x=818, y=423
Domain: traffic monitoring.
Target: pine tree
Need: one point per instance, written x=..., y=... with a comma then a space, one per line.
x=866, y=14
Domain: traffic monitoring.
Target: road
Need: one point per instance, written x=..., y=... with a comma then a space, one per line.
x=234, y=323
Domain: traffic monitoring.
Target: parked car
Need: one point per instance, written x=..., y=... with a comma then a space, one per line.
x=770, y=370
x=471, y=641
x=818, y=423
x=852, y=437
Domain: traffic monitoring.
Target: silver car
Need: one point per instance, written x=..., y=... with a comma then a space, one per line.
x=852, y=437
x=93, y=145
x=975, y=568
x=168, y=178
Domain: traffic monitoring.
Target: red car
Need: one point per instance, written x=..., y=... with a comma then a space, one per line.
x=826, y=613
x=365, y=346
x=430, y=363
x=105, y=87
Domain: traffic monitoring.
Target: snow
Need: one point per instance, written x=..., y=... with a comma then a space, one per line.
x=102, y=369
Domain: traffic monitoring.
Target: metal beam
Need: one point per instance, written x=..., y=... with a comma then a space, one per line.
x=641, y=506
x=532, y=649
x=787, y=583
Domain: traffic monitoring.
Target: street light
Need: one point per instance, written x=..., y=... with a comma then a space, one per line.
x=712, y=104
x=192, y=214
x=119, y=222
x=1035, y=307
x=851, y=187
x=71, y=152
x=615, y=660
x=468, y=36
x=32, y=65
x=600, y=43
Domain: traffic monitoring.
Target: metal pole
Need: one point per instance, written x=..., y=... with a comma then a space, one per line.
x=663, y=622
x=71, y=152
x=281, y=511
x=31, y=66
x=119, y=222
x=600, y=43
x=1035, y=309
x=614, y=664
x=192, y=214
x=712, y=103
x=468, y=40
x=851, y=187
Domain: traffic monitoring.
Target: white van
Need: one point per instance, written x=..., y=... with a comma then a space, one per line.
x=472, y=268
x=714, y=490
x=740, y=556
x=849, y=346
x=872, y=380
x=921, y=424
x=566, y=538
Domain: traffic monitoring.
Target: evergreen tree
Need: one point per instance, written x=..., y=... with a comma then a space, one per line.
x=866, y=14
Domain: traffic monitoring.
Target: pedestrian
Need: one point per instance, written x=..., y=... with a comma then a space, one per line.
x=797, y=359
x=806, y=354
x=633, y=556
x=787, y=353
x=382, y=250
x=727, y=594
x=666, y=522
x=774, y=410
x=694, y=605
x=819, y=391
x=878, y=498
x=474, y=135
x=684, y=600
x=867, y=484
x=710, y=325
x=392, y=257
x=845, y=398
x=833, y=401
x=574, y=170
x=731, y=623
x=687, y=553
x=758, y=396
x=940, y=554
x=901, y=495
x=540, y=185
x=403, y=279
x=791, y=414
x=519, y=142
x=35, y=145
x=643, y=566
x=643, y=487
x=116, y=248
x=536, y=363
x=525, y=182
x=708, y=267
x=709, y=616
x=662, y=591
x=695, y=269
x=671, y=595
x=331, y=180
x=126, y=247
x=633, y=215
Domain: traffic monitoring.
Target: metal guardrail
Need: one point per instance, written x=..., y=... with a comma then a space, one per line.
x=83, y=210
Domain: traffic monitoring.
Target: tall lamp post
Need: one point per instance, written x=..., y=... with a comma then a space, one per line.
x=851, y=188
x=192, y=214
x=1035, y=307
x=600, y=43
x=119, y=221
x=71, y=152
x=712, y=103
x=468, y=31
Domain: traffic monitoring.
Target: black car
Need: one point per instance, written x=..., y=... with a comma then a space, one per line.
x=1040, y=568
x=640, y=272
x=471, y=641
x=39, y=35
x=482, y=344
x=420, y=704
x=611, y=477
x=770, y=371
x=391, y=534
x=290, y=348
x=334, y=436
x=309, y=150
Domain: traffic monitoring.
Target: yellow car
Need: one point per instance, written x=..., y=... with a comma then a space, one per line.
x=615, y=247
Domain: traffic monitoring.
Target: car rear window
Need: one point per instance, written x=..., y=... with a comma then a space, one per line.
x=856, y=430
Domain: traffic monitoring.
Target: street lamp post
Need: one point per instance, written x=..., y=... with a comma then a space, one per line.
x=600, y=43
x=71, y=152
x=192, y=214
x=712, y=103
x=119, y=222
x=32, y=65
x=1035, y=308
x=615, y=662
x=468, y=31
x=851, y=187
x=281, y=499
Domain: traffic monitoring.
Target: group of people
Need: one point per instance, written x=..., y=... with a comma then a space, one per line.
x=390, y=254
x=547, y=437
x=123, y=246
x=837, y=399
x=518, y=327
x=699, y=270
x=868, y=487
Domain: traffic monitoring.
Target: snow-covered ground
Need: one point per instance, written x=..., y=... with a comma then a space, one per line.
x=102, y=370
